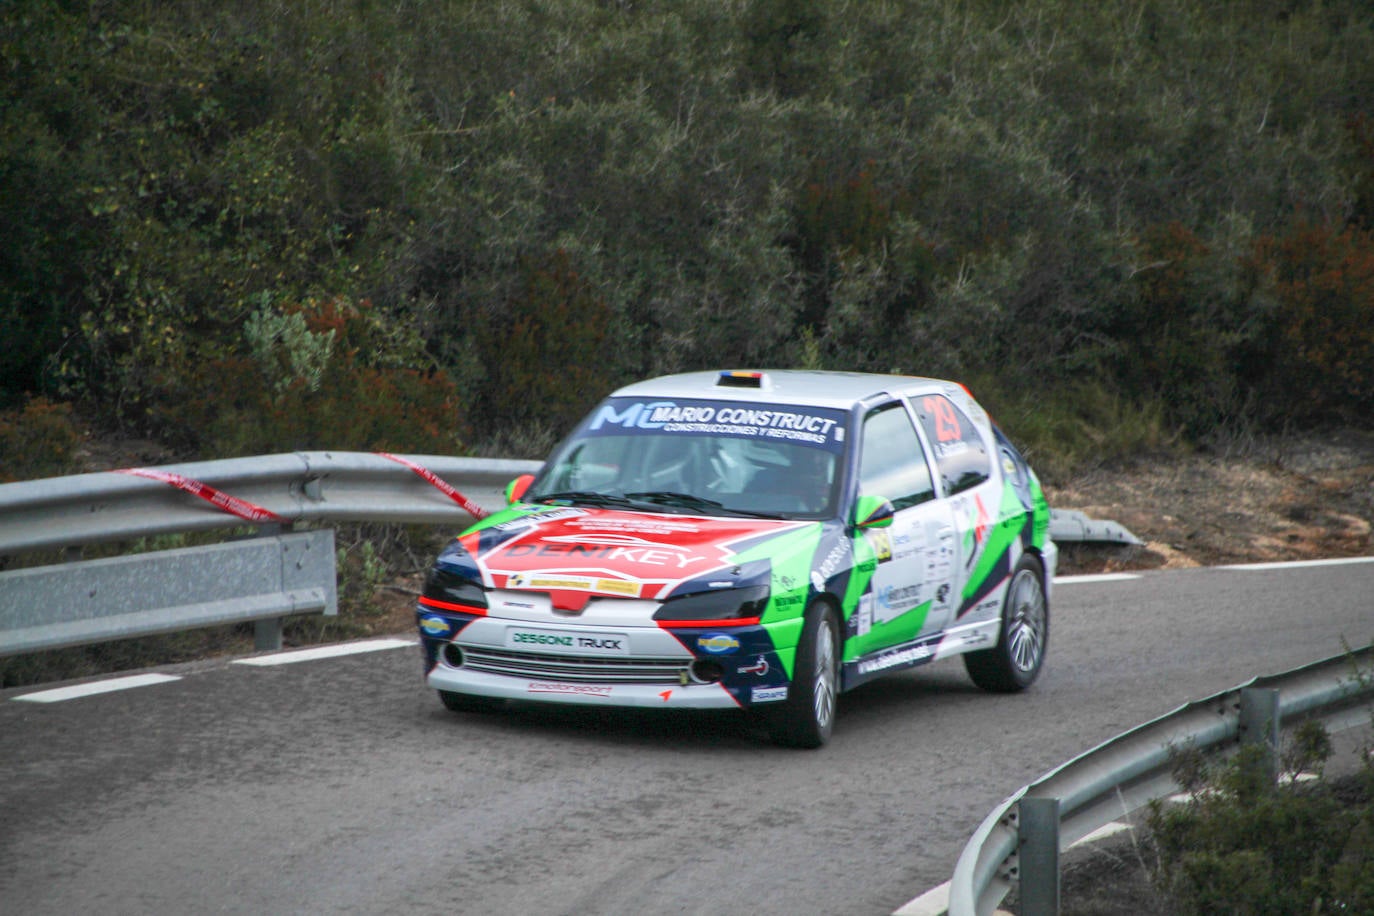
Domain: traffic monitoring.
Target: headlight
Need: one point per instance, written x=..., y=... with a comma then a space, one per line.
x=739, y=606
x=450, y=591
x=454, y=584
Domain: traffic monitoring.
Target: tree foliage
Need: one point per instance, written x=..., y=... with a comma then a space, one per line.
x=1165, y=201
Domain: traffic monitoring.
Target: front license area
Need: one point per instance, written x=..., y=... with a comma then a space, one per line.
x=563, y=642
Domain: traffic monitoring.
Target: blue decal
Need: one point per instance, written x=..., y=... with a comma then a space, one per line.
x=718, y=643
x=435, y=626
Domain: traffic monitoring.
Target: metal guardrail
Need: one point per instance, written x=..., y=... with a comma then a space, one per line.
x=261, y=579
x=1070, y=525
x=278, y=490
x=297, y=487
x=1018, y=843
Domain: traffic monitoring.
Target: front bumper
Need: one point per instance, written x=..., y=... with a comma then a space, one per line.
x=609, y=663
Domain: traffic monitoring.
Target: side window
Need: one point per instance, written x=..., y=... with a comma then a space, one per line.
x=892, y=464
x=960, y=453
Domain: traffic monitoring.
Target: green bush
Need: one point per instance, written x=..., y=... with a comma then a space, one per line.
x=1242, y=845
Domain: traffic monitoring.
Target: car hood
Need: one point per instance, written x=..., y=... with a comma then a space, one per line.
x=574, y=551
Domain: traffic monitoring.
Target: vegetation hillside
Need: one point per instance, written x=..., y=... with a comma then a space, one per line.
x=437, y=226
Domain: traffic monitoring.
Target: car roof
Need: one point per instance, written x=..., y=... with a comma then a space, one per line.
x=782, y=386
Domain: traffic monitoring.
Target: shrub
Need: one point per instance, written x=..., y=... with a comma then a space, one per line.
x=38, y=440
x=323, y=374
x=1314, y=359
x=551, y=352
x=1241, y=845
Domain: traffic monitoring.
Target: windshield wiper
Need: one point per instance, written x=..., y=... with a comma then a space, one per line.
x=689, y=501
x=586, y=497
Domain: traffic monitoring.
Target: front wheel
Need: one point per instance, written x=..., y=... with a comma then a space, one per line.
x=806, y=718
x=1013, y=664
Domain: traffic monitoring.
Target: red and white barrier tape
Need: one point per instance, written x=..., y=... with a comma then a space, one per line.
x=223, y=501
x=443, y=486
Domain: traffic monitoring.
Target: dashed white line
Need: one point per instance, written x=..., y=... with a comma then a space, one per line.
x=308, y=655
x=1095, y=577
x=1299, y=564
x=59, y=694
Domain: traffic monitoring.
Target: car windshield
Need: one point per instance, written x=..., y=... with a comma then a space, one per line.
x=700, y=457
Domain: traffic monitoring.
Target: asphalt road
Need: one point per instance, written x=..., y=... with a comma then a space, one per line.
x=342, y=785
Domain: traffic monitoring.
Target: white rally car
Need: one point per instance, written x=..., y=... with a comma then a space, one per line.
x=759, y=540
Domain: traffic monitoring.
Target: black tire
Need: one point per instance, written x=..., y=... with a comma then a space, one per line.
x=806, y=718
x=1014, y=663
x=467, y=702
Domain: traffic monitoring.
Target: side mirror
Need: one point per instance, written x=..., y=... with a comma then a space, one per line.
x=873, y=512
x=517, y=488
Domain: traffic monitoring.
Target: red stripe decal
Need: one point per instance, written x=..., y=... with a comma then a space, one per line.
x=449, y=606
x=222, y=501
x=708, y=624
x=443, y=486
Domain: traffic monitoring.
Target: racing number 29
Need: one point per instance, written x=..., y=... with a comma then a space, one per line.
x=946, y=420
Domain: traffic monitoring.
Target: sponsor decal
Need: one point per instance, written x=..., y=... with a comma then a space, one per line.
x=894, y=657
x=618, y=587
x=520, y=580
x=586, y=690
x=718, y=643
x=900, y=598
x=768, y=694
x=590, y=643
x=985, y=611
x=581, y=554
x=881, y=542
x=831, y=564
x=864, y=614
x=659, y=555
x=435, y=626
x=541, y=639
x=782, y=601
x=759, y=668
x=636, y=525
x=727, y=420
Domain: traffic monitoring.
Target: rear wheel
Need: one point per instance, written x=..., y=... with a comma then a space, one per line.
x=1015, y=661
x=807, y=716
x=466, y=702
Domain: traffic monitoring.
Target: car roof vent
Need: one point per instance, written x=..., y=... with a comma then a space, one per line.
x=736, y=378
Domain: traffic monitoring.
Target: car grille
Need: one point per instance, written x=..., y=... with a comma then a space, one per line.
x=571, y=668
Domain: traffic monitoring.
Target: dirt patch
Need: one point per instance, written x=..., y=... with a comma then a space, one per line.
x=1296, y=499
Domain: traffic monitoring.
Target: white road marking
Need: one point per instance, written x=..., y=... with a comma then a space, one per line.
x=1298, y=564
x=59, y=694
x=934, y=902
x=308, y=655
x=1097, y=577
x=1101, y=833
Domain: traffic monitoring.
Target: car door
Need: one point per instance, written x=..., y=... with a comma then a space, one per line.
x=963, y=460
x=913, y=586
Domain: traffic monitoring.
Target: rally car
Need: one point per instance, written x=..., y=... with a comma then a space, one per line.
x=757, y=540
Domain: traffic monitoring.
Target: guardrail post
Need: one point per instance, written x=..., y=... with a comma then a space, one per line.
x=1259, y=724
x=267, y=635
x=1038, y=830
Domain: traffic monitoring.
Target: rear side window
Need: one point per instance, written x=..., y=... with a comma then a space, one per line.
x=893, y=464
x=960, y=454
